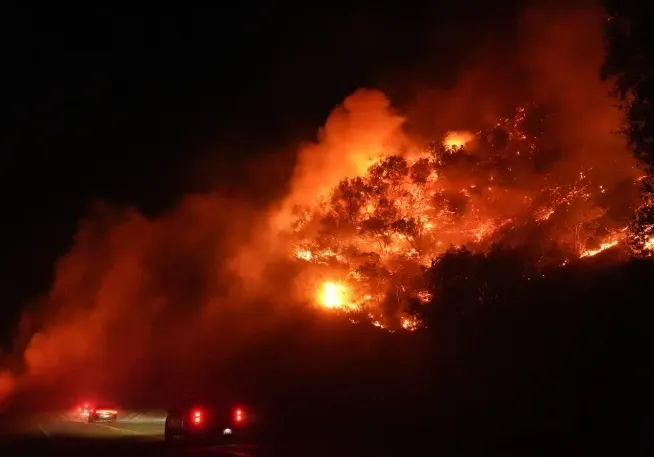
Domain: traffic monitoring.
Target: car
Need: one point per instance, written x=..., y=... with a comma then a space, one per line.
x=196, y=420
x=103, y=413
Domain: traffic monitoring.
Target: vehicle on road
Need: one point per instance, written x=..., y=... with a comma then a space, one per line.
x=103, y=413
x=200, y=420
x=83, y=410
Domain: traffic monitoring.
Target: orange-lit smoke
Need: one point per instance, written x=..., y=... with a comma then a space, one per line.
x=356, y=134
x=7, y=382
x=134, y=291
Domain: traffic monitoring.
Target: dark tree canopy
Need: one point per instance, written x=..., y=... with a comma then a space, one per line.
x=629, y=60
x=629, y=57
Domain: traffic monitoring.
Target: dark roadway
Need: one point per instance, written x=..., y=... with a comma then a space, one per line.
x=64, y=434
x=142, y=435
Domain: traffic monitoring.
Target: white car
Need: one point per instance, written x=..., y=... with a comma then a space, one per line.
x=103, y=413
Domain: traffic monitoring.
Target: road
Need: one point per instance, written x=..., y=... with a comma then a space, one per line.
x=142, y=435
x=65, y=434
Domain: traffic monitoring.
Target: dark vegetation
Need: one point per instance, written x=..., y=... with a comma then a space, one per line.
x=507, y=360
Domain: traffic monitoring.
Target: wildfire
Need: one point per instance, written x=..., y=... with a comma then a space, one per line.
x=333, y=295
x=603, y=247
x=457, y=139
x=410, y=323
x=375, y=234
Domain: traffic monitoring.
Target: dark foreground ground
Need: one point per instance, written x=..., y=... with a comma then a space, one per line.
x=64, y=434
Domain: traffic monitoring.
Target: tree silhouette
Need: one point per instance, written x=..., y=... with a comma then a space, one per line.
x=466, y=284
x=630, y=62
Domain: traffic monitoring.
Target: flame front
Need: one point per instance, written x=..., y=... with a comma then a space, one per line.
x=376, y=234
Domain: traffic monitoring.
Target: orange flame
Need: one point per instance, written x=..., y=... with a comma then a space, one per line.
x=333, y=295
x=457, y=139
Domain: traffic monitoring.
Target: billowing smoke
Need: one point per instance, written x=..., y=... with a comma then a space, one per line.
x=130, y=288
x=551, y=61
x=137, y=296
x=356, y=134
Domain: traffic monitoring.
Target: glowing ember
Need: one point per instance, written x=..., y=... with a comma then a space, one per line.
x=410, y=323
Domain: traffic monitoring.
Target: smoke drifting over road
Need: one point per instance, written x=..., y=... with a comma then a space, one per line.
x=139, y=297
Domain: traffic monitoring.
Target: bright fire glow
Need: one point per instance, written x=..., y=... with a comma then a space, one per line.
x=457, y=139
x=107, y=411
x=333, y=295
x=603, y=247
